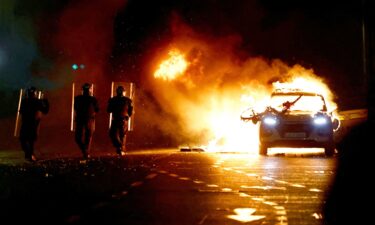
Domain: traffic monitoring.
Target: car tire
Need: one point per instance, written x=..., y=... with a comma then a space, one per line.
x=263, y=148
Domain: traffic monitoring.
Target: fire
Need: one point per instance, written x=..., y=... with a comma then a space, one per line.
x=308, y=84
x=213, y=111
x=230, y=133
x=173, y=67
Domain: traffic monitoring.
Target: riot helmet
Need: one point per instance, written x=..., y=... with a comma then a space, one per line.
x=31, y=92
x=87, y=89
x=120, y=91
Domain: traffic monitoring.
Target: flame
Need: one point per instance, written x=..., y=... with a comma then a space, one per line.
x=173, y=67
x=306, y=82
x=230, y=133
x=208, y=104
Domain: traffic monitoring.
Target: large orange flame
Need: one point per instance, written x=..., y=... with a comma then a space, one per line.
x=172, y=67
x=305, y=80
x=218, y=96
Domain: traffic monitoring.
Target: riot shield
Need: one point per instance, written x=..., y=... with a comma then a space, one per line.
x=129, y=92
x=77, y=90
x=16, y=126
x=22, y=95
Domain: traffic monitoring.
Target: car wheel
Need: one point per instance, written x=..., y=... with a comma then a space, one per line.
x=263, y=148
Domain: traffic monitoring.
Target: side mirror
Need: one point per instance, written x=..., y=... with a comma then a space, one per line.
x=255, y=119
x=250, y=114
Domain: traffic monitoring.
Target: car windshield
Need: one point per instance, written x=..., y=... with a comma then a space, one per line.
x=301, y=102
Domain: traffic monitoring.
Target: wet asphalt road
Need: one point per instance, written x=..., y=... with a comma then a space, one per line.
x=168, y=187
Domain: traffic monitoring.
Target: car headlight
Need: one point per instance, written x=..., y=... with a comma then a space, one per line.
x=320, y=120
x=271, y=121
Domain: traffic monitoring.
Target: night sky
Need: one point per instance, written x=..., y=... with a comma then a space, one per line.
x=116, y=39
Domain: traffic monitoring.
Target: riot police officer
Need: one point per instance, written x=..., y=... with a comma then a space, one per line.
x=86, y=107
x=31, y=111
x=121, y=108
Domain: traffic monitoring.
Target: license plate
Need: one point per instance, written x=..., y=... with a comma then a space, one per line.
x=295, y=135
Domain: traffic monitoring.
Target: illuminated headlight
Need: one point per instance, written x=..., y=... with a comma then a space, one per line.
x=320, y=120
x=271, y=121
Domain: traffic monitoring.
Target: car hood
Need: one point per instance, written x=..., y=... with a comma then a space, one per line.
x=297, y=115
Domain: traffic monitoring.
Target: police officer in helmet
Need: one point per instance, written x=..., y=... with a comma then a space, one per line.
x=85, y=106
x=31, y=111
x=121, y=108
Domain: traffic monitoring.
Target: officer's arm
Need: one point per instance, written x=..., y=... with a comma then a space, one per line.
x=109, y=107
x=75, y=103
x=44, y=106
x=130, y=108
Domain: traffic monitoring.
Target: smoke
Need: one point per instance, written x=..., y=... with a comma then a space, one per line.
x=221, y=81
x=17, y=46
x=85, y=37
x=63, y=34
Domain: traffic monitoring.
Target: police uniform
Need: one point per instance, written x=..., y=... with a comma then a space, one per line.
x=121, y=108
x=31, y=111
x=86, y=107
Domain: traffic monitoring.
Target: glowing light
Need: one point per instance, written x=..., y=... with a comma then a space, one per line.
x=307, y=83
x=231, y=134
x=270, y=121
x=172, y=67
x=320, y=121
x=244, y=215
x=296, y=151
x=207, y=105
x=74, y=66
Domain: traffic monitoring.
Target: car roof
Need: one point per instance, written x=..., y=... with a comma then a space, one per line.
x=281, y=93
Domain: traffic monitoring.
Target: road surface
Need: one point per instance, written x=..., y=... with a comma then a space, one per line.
x=169, y=187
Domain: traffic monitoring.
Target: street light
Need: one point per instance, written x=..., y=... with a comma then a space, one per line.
x=76, y=66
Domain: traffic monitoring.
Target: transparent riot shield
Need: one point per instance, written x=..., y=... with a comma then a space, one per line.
x=77, y=90
x=130, y=93
x=17, y=124
x=22, y=95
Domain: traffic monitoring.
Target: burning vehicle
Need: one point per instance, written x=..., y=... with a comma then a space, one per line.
x=295, y=118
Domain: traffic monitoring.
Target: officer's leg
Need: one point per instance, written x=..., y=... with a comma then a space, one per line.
x=24, y=139
x=114, y=134
x=33, y=137
x=123, y=132
x=31, y=149
x=25, y=147
x=89, y=131
x=78, y=135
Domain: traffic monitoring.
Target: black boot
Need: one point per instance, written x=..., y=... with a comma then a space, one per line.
x=120, y=152
x=85, y=154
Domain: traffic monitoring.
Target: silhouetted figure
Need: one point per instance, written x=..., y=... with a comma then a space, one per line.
x=122, y=109
x=86, y=107
x=31, y=111
x=350, y=197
